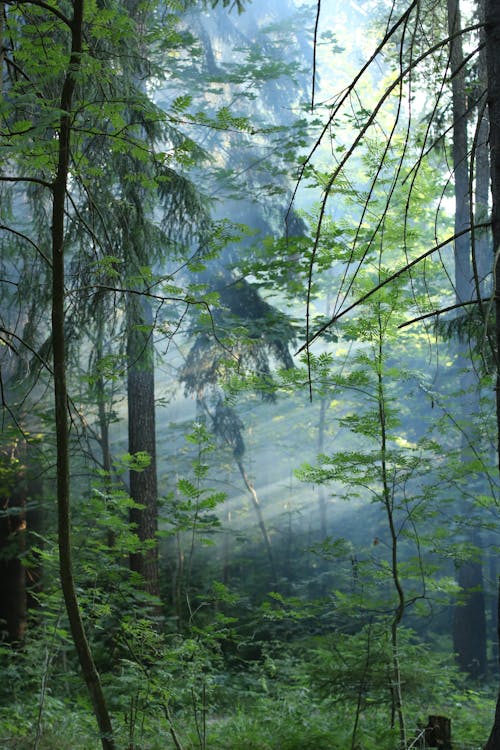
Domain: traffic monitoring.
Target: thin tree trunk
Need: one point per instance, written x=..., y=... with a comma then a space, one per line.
x=397, y=709
x=102, y=399
x=59, y=187
x=35, y=527
x=323, y=524
x=260, y=518
x=323, y=407
x=463, y=271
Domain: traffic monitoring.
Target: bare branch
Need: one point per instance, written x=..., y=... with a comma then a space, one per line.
x=371, y=119
x=11, y=334
x=443, y=310
x=53, y=10
x=315, y=44
x=347, y=92
x=36, y=180
x=386, y=281
x=26, y=239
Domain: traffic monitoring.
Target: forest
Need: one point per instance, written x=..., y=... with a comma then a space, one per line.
x=249, y=375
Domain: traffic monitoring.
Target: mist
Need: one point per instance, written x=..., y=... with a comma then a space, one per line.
x=248, y=364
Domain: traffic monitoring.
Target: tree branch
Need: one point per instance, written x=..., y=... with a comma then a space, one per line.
x=40, y=4
x=443, y=310
x=26, y=239
x=386, y=281
x=36, y=180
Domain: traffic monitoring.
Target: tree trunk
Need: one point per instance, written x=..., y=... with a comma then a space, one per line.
x=463, y=271
x=492, y=15
x=12, y=544
x=35, y=528
x=469, y=617
x=142, y=437
x=59, y=188
x=323, y=523
x=104, y=402
x=469, y=625
x=482, y=251
x=493, y=742
x=260, y=519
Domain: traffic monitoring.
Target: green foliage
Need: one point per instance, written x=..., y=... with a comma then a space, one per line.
x=238, y=4
x=227, y=663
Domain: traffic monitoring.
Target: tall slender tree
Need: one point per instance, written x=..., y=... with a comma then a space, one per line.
x=469, y=615
x=52, y=133
x=492, y=38
x=404, y=29
x=59, y=196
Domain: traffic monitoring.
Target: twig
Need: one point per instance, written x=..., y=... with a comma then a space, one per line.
x=315, y=44
x=443, y=310
x=386, y=281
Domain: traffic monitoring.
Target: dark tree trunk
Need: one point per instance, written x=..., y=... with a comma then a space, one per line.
x=469, y=616
x=469, y=626
x=492, y=604
x=20, y=518
x=35, y=527
x=59, y=188
x=492, y=15
x=462, y=255
x=12, y=545
x=493, y=742
x=482, y=249
x=142, y=437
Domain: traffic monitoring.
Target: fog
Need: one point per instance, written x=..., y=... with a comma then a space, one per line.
x=271, y=478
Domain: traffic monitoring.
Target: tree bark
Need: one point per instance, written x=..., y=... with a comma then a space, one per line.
x=142, y=437
x=469, y=616
x=482, y=250
x=59, y=188
x=493, y=742
x=492, y=28
x=104, y=399
x=463, y=270
x=35, y=528
x=12, y=544
x=469, y=625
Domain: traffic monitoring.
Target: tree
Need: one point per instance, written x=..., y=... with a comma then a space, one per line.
x=404, y=30
x=53, y=155
x=13, y=598
x=470, y=613
x=59, y=196
x=246, y=334
x=492, y=27
x=382, y=455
